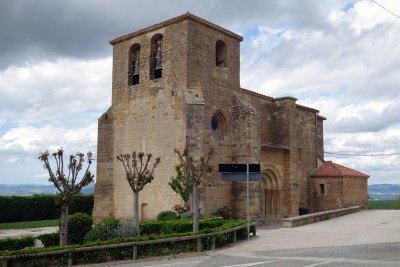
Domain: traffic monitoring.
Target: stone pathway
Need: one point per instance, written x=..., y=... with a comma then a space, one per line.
x=27, y=232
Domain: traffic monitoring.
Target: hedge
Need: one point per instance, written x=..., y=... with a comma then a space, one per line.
x=176, y=226
x=225, y=225
x=40, y=207
x=126, y=253
x=113, y=254
x=17, y=243
x=50, y=240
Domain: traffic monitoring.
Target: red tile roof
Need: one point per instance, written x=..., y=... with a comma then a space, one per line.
x=330, y=169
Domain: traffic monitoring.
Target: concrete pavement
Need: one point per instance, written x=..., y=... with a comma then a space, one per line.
x=365, y=227
x=366, y=238
x=27, y=232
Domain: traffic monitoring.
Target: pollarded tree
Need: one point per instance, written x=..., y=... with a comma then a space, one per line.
x=138, y=174
x=192, y=173
x=67, y=185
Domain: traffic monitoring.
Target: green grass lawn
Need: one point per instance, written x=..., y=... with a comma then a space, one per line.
x=381, y=204
x=30, y=224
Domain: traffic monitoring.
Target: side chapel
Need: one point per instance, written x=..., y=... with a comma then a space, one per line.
x=176, y=84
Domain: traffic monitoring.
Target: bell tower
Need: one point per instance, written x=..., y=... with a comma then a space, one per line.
x=168, y=80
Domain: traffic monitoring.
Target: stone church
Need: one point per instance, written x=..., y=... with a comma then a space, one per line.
x=176, y=84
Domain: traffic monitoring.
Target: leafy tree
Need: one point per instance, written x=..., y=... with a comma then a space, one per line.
x=192, y=172
x=181, y=185
x=138, y=174
x=67, y=185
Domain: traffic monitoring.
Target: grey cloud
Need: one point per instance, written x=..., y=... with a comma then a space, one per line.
x=46, y=29
x=369, y=122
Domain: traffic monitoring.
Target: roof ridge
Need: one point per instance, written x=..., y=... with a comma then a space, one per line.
x=167, y=22
x=334, y=166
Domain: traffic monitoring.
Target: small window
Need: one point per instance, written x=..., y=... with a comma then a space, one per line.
x=156, y=57
x=218, y=122
x=134, y=65
x=299, y=155
x=321, y=189
x=220, y=54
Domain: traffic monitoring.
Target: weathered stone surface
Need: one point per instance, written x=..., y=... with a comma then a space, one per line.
x=175, y=111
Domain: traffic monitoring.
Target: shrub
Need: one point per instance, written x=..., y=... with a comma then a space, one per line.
x=150, y=228
x=111, y=229
x=126, y=229
x=225, y=212
x=40, y=207
x=78, y=226
x=50, y=240
x=187, y=215
x=167, y=216
x=181, y=208
x=102, y=231
x=177, y=226
x=17, y=243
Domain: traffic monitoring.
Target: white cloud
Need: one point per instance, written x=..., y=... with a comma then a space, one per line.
x=382, y=169
x=51, y=91
x=348, y=70
x=364, y=16
x=28, y=142
x=41, y=175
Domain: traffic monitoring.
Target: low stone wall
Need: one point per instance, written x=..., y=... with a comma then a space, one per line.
x=319, y=216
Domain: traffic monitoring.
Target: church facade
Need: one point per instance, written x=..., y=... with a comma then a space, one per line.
x=176, y=84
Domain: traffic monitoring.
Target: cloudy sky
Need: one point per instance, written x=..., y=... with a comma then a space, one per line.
x=339, y=56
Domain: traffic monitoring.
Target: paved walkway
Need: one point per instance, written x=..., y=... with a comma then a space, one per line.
x=365, y=227
x=26, y=232
x=366, y=238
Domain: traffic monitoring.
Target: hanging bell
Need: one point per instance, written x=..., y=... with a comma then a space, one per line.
x=136, y=68
x=158, y=64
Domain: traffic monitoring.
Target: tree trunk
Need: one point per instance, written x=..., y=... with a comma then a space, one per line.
x=191, y=201
x=64, y=223
x=136, y=208
x=195, y=200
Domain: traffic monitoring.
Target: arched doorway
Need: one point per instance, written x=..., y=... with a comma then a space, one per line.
x=271, y=201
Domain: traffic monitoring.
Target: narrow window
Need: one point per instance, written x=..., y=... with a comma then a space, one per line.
x=321, y=189
x=134, y=64
x=156, y=57
x=220, y=54
x=299, y=155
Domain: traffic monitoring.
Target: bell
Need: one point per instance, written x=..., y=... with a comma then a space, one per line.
x=136, y=68
x=158, y=64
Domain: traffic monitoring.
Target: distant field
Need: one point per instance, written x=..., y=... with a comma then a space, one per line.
x=31, y=224
x=381, y=204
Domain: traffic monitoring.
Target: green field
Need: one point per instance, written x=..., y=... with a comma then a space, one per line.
x=381, y=204
x=31, y=224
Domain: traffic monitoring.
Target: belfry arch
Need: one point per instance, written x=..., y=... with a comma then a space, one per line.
x=272, y=192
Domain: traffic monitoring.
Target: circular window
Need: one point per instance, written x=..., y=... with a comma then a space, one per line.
x=217, y=122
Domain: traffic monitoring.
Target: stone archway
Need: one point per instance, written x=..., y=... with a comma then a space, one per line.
x=272, y=190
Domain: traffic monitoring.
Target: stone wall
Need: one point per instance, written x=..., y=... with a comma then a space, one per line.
x=104, y=187
x=296, y=131
x=355, y=191
x=333, y=197
x=148, y=117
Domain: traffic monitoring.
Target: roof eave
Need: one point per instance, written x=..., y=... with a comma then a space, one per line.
x=168, y=22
